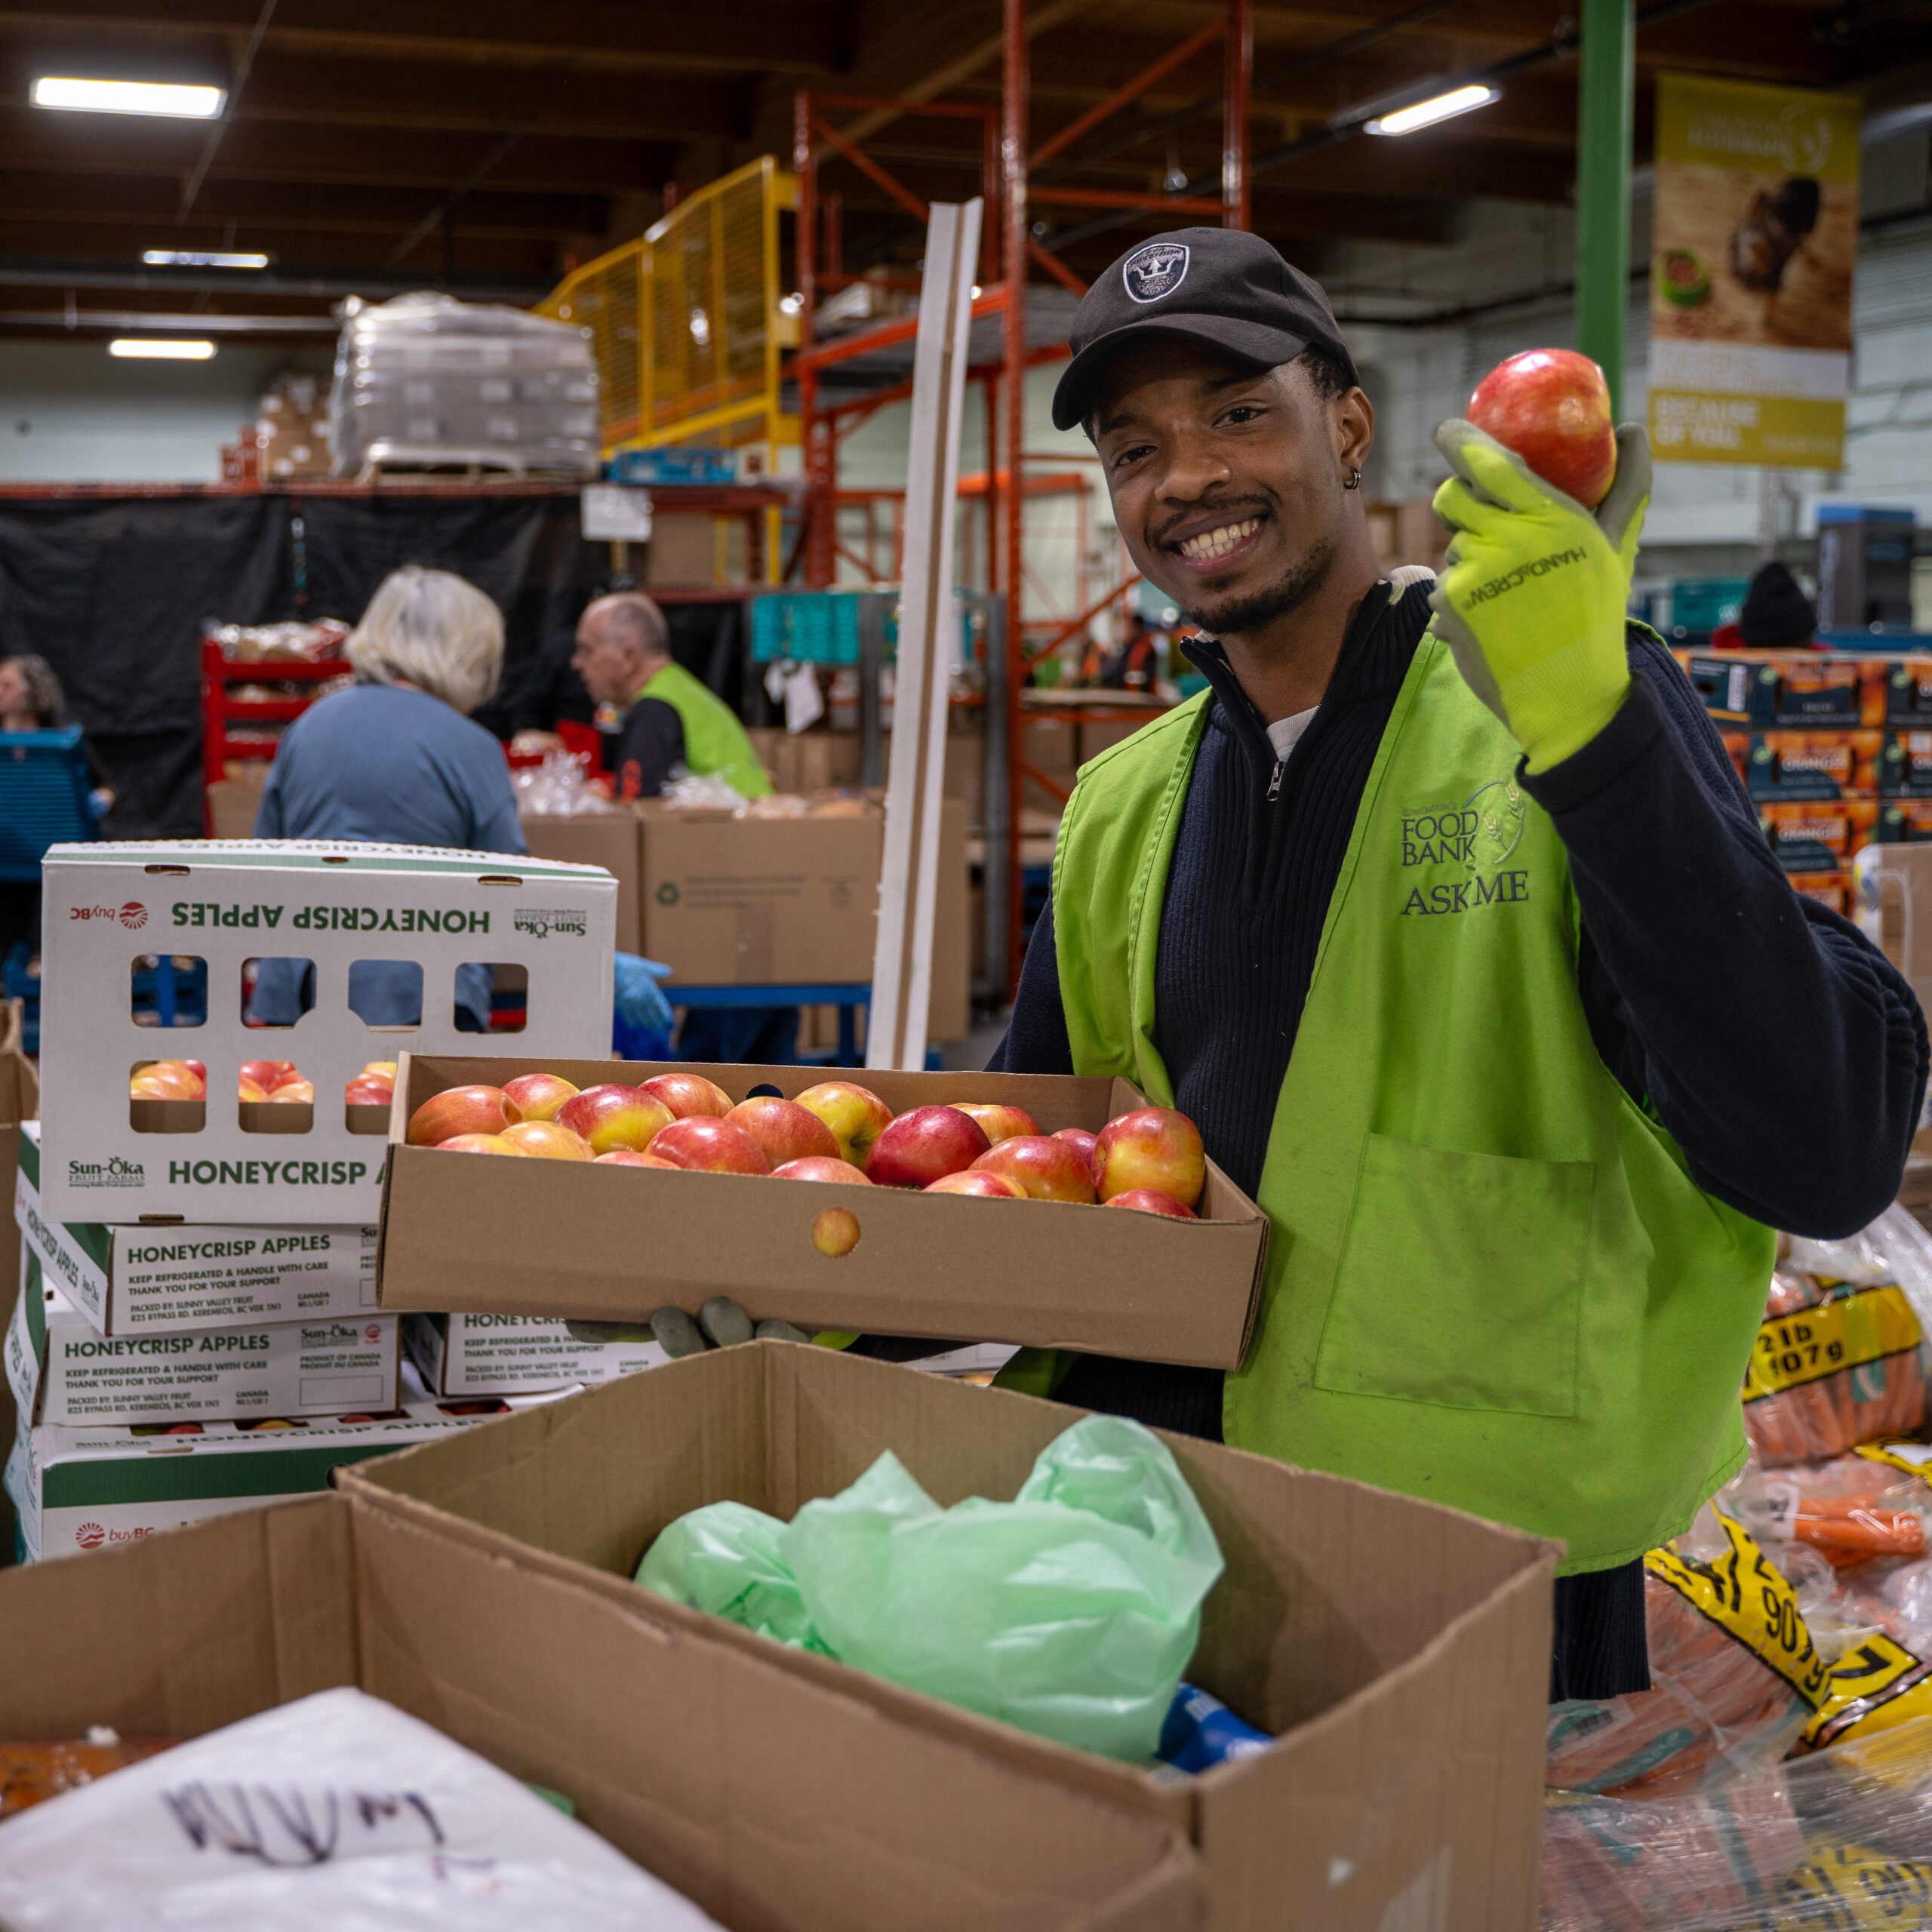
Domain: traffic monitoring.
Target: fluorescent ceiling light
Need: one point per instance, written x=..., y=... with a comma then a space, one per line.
x=160, y=349
x=201, y=258
x=191, y=104
x=1437, y=107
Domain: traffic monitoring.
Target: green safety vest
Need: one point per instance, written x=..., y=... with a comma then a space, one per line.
x=715, y=742
x=1491, y=1281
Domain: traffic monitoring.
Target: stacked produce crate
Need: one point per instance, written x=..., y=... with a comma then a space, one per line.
x=197, y=1328
x=1835, y=750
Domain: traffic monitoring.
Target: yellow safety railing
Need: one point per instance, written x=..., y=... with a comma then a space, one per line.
x=686, y=319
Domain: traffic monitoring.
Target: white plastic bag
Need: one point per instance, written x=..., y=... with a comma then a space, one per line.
x=336, y=1813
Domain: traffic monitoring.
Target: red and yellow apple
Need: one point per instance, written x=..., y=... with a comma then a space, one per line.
x=461, y=1110
x=975, y=1180
x=546, y=1140
x=302, y=1093
x=835, y=1232
x=363, y=1091
x=784, y=1131
x=479, y=1143
x=856, y=1115
x=998, y=1123
x=1081, y=1141
x=629, y=1157
x=609, y=1116
x=689, y=1096
x=1041, y=1167
x=538, y=1096
x=246, y=1090
x=1152, y=1147
x=1148, y=1200
x=710, y=1145
x=1552, y=407
x=268, y=1075
x=816, y=1167
x=923, y=1143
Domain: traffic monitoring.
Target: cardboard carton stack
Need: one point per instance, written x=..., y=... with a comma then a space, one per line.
x=197, y=1326
x=1835, y=750
x=292, y=431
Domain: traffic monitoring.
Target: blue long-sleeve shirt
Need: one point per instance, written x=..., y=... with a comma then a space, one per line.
x=389, y=767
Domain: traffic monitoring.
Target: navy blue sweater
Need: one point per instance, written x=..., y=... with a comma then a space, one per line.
x=1779, y=1048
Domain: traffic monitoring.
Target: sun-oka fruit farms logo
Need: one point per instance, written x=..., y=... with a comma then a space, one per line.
x=133, y=915
x=90, y=1536
x=541, y=920
x=115, y=1171
x=1472, y=840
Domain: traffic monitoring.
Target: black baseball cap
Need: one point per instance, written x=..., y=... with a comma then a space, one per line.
x=1219, y=285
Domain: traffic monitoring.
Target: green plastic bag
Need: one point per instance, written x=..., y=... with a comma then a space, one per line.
x=1071, y=1611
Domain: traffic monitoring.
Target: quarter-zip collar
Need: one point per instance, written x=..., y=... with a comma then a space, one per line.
x=1382, y=634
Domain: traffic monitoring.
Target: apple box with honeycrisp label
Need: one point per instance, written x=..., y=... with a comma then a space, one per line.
x=1396, y=1651
x=767, y=1803
x=134, y=1281
x=505, y=1355
x=96, y=1483
x=79, y=1375
x=581, y=1240
x=278, y=973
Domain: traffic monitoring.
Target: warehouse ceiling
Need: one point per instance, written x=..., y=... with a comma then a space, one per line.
x=372, y=146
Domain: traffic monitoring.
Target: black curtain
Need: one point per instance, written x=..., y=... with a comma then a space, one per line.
x=115, y=592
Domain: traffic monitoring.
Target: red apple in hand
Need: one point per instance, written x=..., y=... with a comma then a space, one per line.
x=460, y=1110
x=711, y=1146
x=924, y=1143
x=998, y=1123
x=784, y=1130
x=1041, y=1167
x=1152, y=1147
x=813, y=1167
x=538, y=1096
x=1081, y=1141
x=856, y=1115
x=1149, y=1202
x=610, y=1116
x=1552, y=407
x=689, y=1094
x=974, y=1181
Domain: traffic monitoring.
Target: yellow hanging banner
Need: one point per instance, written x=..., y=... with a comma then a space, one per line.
x=1754, y=240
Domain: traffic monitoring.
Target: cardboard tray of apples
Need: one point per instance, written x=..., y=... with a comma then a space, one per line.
x=964, y=1206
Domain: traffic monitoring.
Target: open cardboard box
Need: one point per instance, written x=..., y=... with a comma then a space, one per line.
x=776, y=1805
x=494, y=1235
x=1400, y=1650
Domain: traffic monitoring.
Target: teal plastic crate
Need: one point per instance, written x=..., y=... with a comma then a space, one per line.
x=1700, y=604
x=822, y=627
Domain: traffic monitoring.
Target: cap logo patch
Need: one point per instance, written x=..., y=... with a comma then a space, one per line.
x=1154, y=271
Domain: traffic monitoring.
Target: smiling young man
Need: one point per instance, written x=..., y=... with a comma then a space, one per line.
x=1459, y=942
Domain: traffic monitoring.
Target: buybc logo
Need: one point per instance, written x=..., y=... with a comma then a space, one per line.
x=373, y=1333
x=133, y=915
x=1154, y=271
x=1473, y=841
x=90, y=1536
x=112, y=1173
x=541, y=922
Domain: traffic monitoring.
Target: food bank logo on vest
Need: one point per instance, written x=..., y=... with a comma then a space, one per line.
x=1472, y=842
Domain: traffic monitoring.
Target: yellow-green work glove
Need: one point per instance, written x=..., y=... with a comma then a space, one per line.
x=1532, y=598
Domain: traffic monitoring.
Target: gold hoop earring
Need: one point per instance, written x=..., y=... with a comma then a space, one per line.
x=1353, y=481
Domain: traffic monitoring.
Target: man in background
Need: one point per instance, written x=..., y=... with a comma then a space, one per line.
x=623, y=656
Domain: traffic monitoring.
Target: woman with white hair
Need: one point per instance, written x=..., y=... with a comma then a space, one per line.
x=397, y=760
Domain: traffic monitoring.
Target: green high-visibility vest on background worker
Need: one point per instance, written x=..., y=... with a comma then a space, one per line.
x=715, y=742
x=1491, y=1281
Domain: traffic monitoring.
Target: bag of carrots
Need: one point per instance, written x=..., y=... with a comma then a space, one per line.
x=1836, y=1363
x=1833, y=1842
x=1735, y=1676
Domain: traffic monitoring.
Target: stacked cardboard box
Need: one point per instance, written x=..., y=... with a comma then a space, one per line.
x=1836, y=751
x=292, y=430
x=218, y=1341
